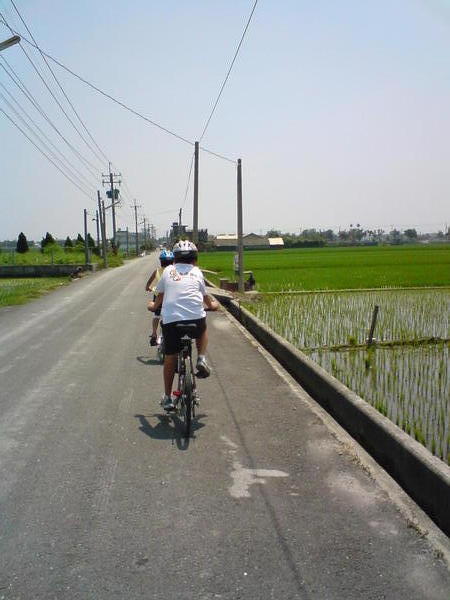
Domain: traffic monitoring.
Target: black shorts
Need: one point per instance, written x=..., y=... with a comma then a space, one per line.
x=172, y=335
x=157, y=312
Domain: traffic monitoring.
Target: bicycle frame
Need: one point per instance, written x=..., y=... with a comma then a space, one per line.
x=186, y=393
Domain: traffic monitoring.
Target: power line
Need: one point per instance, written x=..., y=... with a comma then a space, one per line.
x=62, y=90
x=123, y=105
x=188, y=180
x=23, y=88
x=71, y=166
x=46, y=146
x=229, y=71
x=42, y=152
x=52, y=95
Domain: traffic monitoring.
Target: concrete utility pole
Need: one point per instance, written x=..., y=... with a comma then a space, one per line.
x=179, y=217
x=135, y=206
x=101, y=214
x=111, y=178
x=195, y=213
x=240, y=243
x=98, y=229
x=86, y=245
x=145, y=233
x=128, y=242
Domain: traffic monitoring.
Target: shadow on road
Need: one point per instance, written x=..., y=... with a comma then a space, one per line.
x=169, y=427
x=146, y=360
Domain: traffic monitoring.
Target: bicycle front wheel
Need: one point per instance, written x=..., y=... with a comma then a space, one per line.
x=188, y=387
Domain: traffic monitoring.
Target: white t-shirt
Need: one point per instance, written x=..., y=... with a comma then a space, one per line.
x=183, y=287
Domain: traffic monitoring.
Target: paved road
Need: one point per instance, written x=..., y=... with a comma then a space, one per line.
x=102, y=499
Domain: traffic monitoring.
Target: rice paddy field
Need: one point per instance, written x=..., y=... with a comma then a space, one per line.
x=322, y=300
x=338, y=268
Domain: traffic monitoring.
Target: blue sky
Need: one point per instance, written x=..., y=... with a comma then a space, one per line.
x=339, y=111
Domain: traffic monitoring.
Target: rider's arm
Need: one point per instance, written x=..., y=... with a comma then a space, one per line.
x=152, y=306
x=148, y=284
x=210, y=303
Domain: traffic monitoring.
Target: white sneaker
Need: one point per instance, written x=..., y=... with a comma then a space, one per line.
x=167, y=403
x=203, y=369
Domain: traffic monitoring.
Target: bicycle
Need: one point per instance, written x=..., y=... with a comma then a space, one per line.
x=186, y=398
x=160, y=351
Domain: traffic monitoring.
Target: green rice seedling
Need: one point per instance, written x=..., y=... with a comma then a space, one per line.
x=403, y=385
x=324, y=320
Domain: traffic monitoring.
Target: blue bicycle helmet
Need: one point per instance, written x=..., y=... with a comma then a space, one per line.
x=166, y=257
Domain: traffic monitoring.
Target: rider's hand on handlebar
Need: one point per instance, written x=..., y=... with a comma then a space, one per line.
x=212, y=305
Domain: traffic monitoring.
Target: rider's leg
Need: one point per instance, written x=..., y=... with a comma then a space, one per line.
x=203, y=369
x=202, y=343
x=155, y=324
x=170, y=361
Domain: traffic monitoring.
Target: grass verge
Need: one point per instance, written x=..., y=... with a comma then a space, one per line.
x=20, y=291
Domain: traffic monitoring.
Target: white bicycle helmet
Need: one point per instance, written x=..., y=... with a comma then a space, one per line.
x=186, y=249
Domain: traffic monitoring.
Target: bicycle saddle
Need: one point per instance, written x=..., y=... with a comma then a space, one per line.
x=187, y=328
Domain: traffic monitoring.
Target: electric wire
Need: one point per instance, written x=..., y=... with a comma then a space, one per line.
x=68, y=164
x=23, y=88
x=188, y=181
x=103, y=155
x=46, y=156
x=43, y=143
x=125, y=106
x=228, y=73
x=30, y=60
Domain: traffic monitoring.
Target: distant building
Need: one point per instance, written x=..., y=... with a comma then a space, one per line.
x=251, y=241
x=202, y=235
x=276, y=242
x=177, y=232
x=121, y=239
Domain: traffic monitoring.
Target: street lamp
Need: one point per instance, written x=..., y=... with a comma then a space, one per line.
x=10, y=42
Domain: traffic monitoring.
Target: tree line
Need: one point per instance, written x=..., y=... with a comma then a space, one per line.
x=48, y=242
x=355, y=234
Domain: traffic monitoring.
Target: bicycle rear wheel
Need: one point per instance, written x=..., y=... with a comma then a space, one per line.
x=187, y=399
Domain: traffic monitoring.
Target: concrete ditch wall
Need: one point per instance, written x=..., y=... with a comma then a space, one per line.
x=423, y=476
x=43, y=270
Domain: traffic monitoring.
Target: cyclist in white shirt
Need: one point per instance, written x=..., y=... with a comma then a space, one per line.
x=182, y=295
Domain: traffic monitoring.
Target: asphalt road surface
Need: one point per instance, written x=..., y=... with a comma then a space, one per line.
x=102, y=498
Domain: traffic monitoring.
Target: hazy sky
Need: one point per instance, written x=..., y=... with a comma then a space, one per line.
x=340, y=112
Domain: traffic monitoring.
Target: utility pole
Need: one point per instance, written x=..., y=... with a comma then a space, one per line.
x=98, y=229
x=145, y=233
x=86, y=246
x=101, y=214
x=135, y=206
x=240, y=244
x=179, y=217
x=112, y=178
x=195, y=213
x=128, y=242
